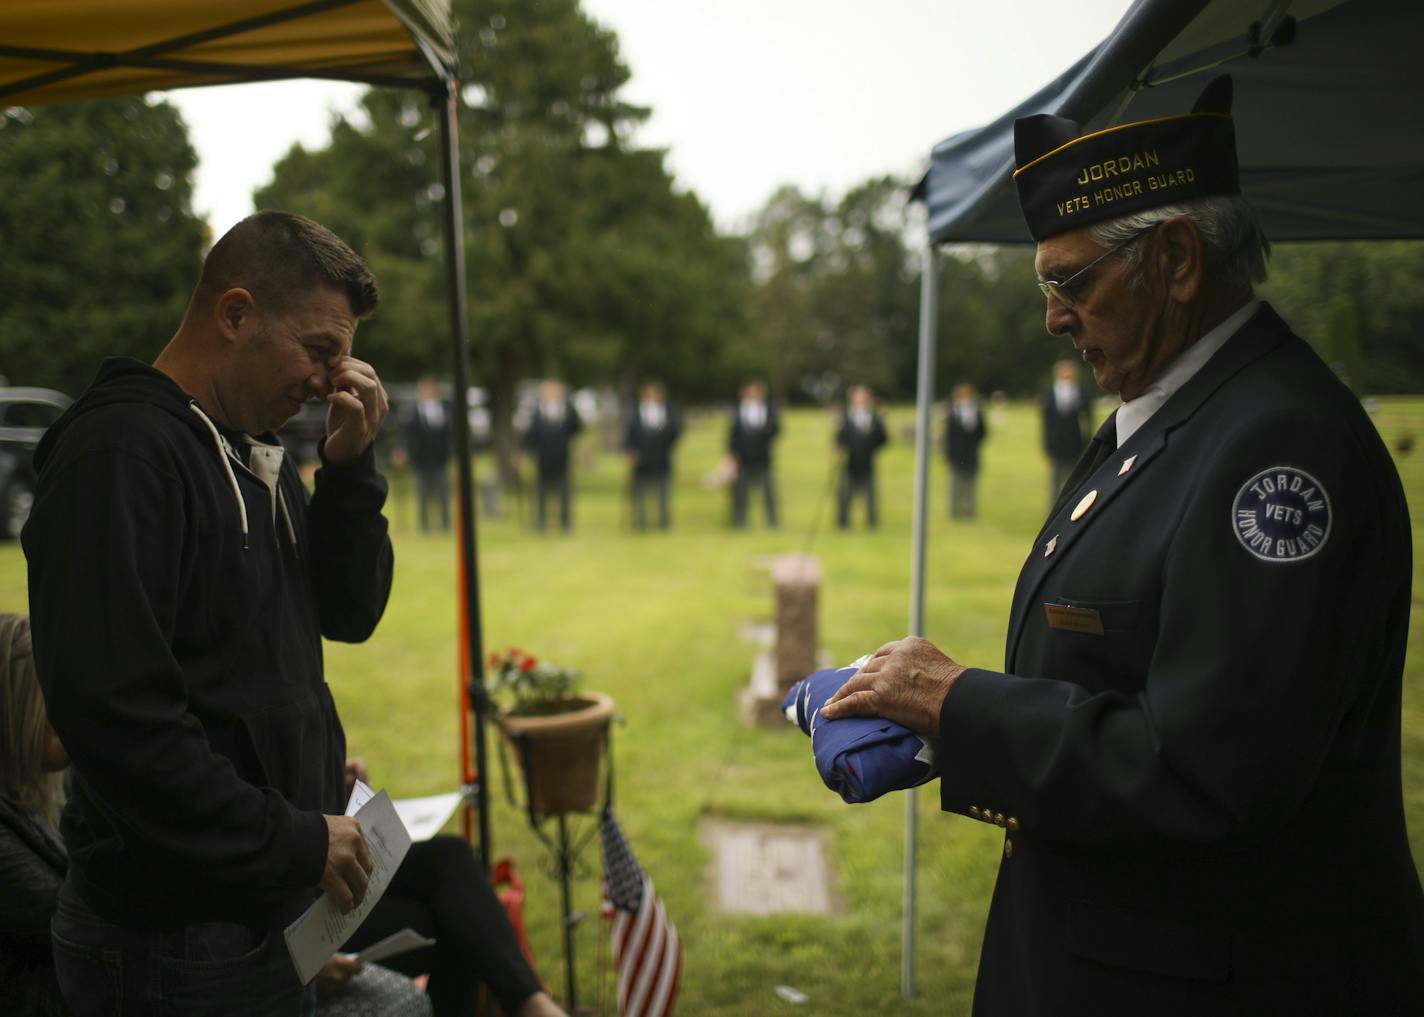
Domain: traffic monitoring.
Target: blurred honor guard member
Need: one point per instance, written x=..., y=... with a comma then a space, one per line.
x=1193, y=750
x=964, y=433
x=181, y=581
x=754, y=427
x=551, y=429
x=1067, y=409
x=427, y=438
x=860, y=436
x=653, y=428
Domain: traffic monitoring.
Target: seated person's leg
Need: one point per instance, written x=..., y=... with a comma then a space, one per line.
x=441, y=892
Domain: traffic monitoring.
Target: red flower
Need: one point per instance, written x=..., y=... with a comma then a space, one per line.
x=528, y=664
x=494, y=660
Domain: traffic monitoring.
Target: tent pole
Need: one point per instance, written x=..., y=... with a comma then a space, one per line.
x=471, y=636
x=924, y=442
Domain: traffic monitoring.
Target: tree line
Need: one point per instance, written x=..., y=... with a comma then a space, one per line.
x=585, y=259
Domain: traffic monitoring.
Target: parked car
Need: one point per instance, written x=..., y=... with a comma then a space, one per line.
x=25, y=413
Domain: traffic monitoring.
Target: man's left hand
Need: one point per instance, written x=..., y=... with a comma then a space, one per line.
x=357, y=405
x=905, y=681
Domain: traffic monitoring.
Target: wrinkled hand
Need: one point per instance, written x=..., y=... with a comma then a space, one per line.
x=348, y=862
x=905, y=681
x=356, y=406
x=339, y=969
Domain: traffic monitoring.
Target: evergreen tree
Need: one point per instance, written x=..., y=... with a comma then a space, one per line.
x=99, y=248
x=583, y=259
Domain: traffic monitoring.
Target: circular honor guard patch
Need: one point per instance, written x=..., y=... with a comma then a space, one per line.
x=1282, y=514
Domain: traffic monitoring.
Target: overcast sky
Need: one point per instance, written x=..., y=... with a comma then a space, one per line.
x=746, y=94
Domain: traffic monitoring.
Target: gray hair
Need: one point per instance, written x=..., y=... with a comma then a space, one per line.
x=1236, y=246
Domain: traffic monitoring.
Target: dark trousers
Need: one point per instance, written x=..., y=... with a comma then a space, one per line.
x=853, y=484
x=747, y=478
x=432, y=485
x=963, y=496
x=210, y=969
x=644, y=486
x=441, y=892
x=558, y=485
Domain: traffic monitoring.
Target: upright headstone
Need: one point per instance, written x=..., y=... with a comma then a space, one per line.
x=795, y=653
x=797, y=581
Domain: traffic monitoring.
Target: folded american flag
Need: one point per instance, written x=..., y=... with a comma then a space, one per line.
x=859, y=758
x=646, y=951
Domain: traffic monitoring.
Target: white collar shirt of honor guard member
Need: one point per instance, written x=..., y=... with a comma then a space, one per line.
x=1133, y=414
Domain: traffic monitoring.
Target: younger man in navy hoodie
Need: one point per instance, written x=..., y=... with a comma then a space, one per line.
x=181, y=581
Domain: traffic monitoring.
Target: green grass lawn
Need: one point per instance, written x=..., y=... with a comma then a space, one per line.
x=654, y=620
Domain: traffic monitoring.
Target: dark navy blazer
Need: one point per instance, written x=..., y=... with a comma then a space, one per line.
x=1194, y=750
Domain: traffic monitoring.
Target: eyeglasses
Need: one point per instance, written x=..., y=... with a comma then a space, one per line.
x=1062, y=291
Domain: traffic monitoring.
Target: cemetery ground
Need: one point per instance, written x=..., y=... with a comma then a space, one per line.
x=657, y=621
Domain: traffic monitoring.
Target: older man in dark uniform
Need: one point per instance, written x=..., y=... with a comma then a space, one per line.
x=551, y=431
x=649, y=435
x=755, y=425
x=1193, y=748
x=1067, y=417
x=859, y=438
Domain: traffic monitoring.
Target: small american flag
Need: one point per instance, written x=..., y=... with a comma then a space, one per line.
x=646, y=952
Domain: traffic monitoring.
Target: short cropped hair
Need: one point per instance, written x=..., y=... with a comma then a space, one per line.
x=279, y=257
x=1236, y=245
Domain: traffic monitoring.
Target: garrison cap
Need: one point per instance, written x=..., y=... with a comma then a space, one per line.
x=1067, y=179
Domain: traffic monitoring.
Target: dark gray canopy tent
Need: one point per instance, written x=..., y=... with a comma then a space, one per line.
x=53, y=51
x=1325, y=112
x=1326, y=108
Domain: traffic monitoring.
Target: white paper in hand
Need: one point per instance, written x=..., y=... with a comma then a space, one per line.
x=361, y=793
x=320, y=931
x=423, y=817
x=394, y=944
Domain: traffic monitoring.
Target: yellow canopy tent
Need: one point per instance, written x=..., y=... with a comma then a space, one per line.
x=62, y=50
x=58, y=50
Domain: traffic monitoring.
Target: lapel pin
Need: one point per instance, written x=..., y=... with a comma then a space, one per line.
x=1127, y=465
x=1051, y=546
x=1081, y=509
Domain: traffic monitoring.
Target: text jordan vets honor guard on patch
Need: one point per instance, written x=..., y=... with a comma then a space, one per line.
x=1282, y=514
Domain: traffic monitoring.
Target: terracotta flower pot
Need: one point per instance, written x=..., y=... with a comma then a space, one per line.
x=560, y=752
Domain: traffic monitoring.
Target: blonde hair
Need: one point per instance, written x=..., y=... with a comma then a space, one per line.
x=24, y=726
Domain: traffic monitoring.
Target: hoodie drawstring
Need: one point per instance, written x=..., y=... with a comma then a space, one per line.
x=287, y=518
x=231, y=477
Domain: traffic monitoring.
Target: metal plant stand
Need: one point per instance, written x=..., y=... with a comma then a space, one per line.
x=566, y=846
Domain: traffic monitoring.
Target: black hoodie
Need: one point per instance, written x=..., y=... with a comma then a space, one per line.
x=178, y=605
